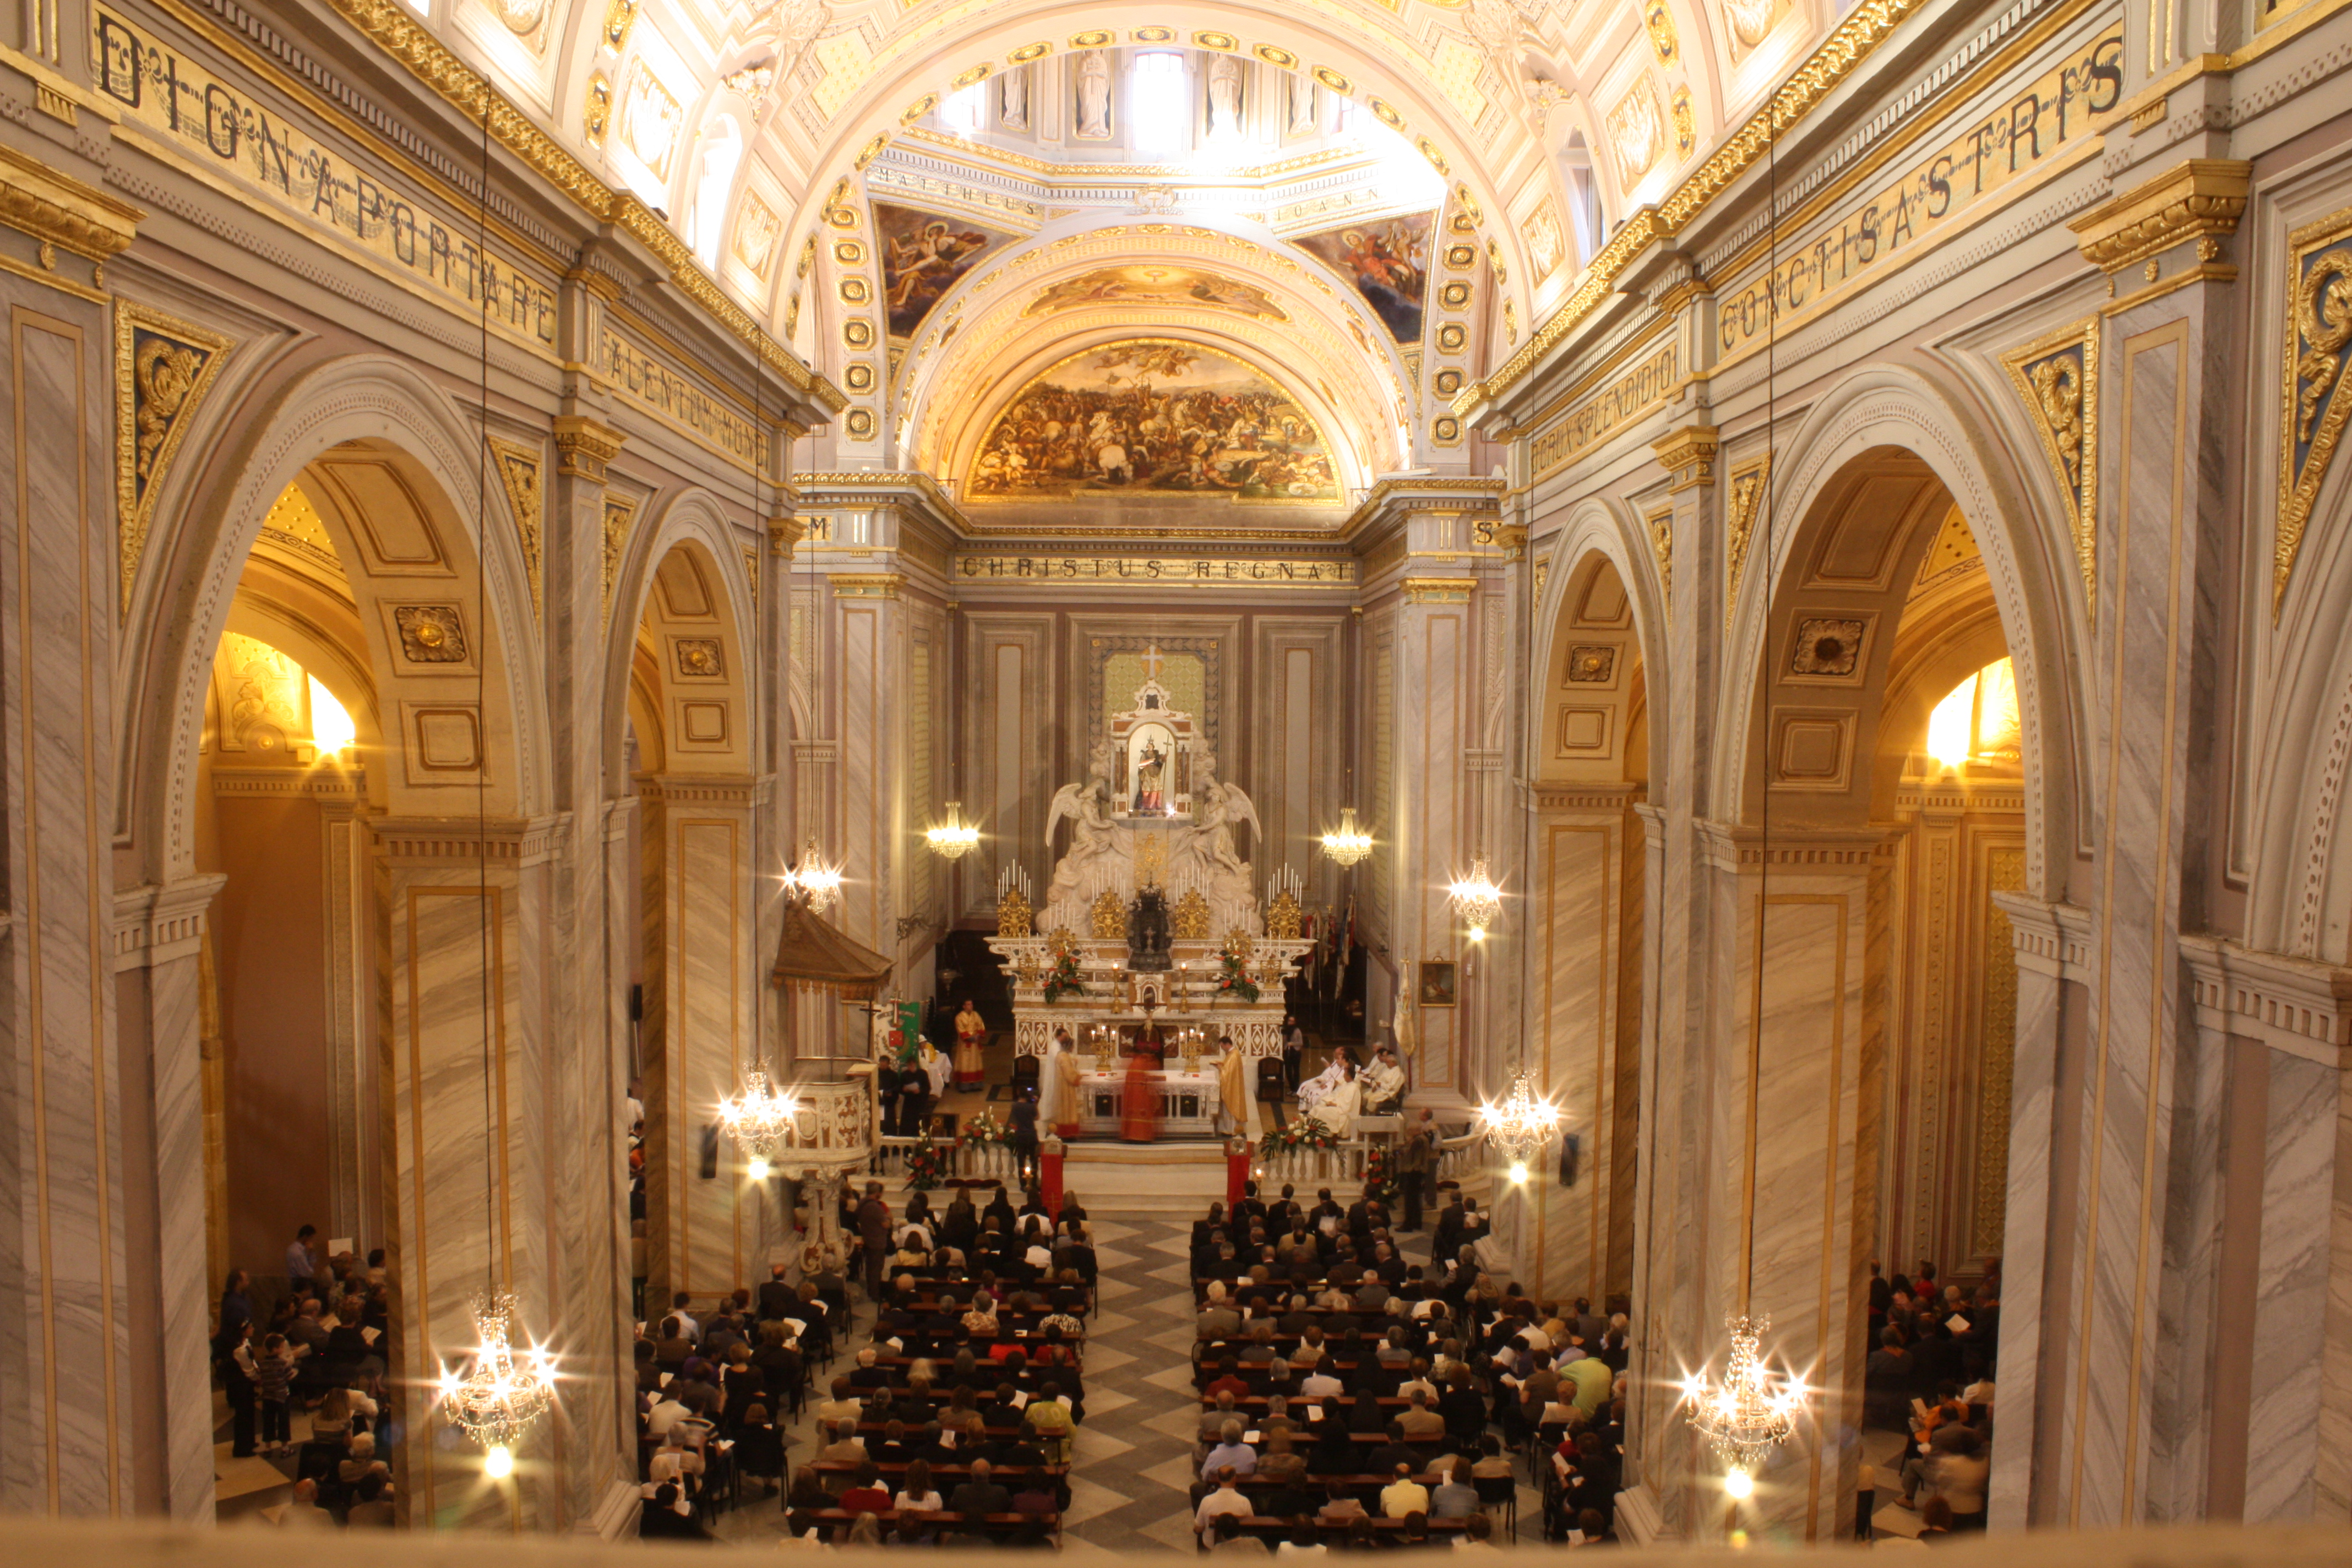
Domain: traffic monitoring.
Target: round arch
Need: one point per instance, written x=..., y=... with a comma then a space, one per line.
x=713, y=601
x=2029, y=564
x=382, y=410
x=1605, y=528
x=2299, y=890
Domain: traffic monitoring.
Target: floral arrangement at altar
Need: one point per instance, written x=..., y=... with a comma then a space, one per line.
x=1306, y=1133
x=987, y=1127
x=930, y=1162
x=1233, y=968
x=1064, y=979
x=1379, y=1180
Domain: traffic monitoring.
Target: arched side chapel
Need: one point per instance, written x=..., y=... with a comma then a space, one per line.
x=1882, y=639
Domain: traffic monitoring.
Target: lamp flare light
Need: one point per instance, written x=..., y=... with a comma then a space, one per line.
x=759, y=1120
x=495, y=1400
x=813, y=879
x=955, y=837
x=1753, y=1410
x=1521, y=1124
x=1348, y=843
x=1478, y=900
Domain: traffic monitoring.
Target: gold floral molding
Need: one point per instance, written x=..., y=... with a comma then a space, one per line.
x=1661, y=546
x=620, y=516
x=2199, y=199
x=2057, y=374
x=2315, y=399
x=162, y=368
x=1747, y=489
x=518, y=472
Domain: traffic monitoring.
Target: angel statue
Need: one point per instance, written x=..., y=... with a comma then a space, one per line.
x=1089, y=805
x=1207, y=847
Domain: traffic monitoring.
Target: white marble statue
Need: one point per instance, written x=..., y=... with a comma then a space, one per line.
x=1205, y=850
x=1094, y=96
x=1226, y=97
x=1302, y=106
x=1012, y=98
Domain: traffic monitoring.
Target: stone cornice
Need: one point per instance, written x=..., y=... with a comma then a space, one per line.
x=154, y=924
x=2049, y=939
x=1729, y=846
x=2297, y=1005
x=508, y=843
x=583, y=446
x=1398, y=494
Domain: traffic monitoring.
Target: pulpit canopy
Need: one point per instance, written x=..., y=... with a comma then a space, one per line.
x=811, y=955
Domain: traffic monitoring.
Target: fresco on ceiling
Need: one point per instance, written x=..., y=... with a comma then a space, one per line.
x=924, y=255
x=1389, y=260
x=1156, y=285
x=1157, y=418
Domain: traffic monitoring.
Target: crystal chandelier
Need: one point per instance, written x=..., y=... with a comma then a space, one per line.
x=1347, y=844
x=759, y=1120
x=1752, y=1410
x=953, y=838
x=495, y=1401
x=813, y=879
x=1477, y=899
x=1521, y=1125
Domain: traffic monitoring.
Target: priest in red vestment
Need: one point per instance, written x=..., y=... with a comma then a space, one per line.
x=1138, y=1119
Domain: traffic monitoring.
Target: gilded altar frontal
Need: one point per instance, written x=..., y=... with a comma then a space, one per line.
x=1596, y=746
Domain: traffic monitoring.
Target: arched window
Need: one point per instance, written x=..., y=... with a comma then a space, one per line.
x=963, y=110
x=1160, y=103
x=714, y=181
x=1584, y=195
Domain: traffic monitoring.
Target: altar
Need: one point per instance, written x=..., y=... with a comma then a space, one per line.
x=1189, y=1103
x=1152, y=923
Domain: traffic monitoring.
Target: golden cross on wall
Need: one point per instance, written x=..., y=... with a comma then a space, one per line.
x=1151, y=662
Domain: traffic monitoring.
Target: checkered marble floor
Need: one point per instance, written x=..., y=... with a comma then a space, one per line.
x=1132, y=1467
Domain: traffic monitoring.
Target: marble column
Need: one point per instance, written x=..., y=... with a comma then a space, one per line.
x=159, y=942
x=1576, y=881
x=1790, y=1094
x=587, y=1245
x=700, y=989
x=2052, y=947
x=2278, y=1330
x=463, y=933
x=354, y=1185
x=72, y=1406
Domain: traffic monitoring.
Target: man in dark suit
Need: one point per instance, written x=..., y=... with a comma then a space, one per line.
x=777, y=1298
x=981, y=1495
x=1446, y=1239
x=874, y=1237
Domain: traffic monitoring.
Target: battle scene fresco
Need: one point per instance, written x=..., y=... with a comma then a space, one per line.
x=924, y=255
x=1156, y=417
x=1389, y=260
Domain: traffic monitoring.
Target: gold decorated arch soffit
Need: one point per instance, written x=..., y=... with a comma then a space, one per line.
x=1263, y=296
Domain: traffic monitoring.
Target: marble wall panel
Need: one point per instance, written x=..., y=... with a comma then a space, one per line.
x=2301, y=1133
x=1578, y=872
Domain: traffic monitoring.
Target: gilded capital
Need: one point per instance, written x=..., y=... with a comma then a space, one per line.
x=2198, y=199
x=583, y=446
x=60, y=211
x=1688, y=454
x=784, y=533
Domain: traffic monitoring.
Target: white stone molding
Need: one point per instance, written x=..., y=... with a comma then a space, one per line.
x=2292, y=1005
x=157, y=924
x=2050, y=939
